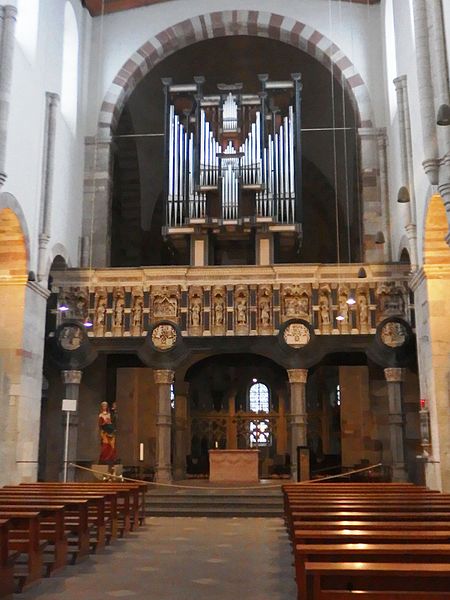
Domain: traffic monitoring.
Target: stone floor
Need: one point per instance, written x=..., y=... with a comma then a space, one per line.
x=183, y=559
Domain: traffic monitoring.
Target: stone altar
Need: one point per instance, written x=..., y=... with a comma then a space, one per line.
x=233, y=465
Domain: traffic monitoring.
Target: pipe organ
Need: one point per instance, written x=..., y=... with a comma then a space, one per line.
x=233, y=159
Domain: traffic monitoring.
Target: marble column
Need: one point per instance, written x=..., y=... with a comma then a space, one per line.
x=71, y=380
x=163, y=379
x=394, y=378
x=7, y=27
x=384, y=191
x=298, y=417
x=48, y=164
x=181, y=422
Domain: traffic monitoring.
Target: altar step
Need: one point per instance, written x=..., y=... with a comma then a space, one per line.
x=214, y=504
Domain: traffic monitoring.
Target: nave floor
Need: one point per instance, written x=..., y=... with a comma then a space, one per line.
x=183, y=559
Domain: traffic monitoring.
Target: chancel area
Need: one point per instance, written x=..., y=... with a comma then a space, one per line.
x=224, y=265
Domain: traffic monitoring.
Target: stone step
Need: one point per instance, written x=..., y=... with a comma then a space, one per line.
x=221, y=500
x=213, y=511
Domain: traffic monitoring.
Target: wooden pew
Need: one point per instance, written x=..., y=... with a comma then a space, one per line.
x=6, y=565
x=377, y=581
x=370, y=552
x=27, y=544
x=75, y=519
x=51, y=532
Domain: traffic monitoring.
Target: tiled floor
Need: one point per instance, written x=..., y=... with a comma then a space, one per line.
x=183, y=559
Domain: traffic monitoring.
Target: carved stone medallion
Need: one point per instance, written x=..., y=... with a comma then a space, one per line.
x=393, y=334
x=70, y=337
x=164, y=337
x=296, y=335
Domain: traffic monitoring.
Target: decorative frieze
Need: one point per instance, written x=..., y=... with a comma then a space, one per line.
x=250, y=303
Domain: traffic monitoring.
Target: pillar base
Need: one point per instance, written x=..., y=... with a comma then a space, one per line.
x=399, y=474
x=163, y=475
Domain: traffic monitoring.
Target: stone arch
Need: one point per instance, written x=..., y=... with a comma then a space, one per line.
x=58, y=250
x=435, y=248
x=13, y=231
x=227, y=23
x=404, y=247
x=219, y=24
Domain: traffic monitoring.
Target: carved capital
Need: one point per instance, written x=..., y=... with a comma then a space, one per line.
x=297, y=375
x=163, y=376
x=69, y=377
x=394, y=375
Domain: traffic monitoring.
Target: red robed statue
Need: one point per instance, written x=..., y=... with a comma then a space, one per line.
x=107, y=428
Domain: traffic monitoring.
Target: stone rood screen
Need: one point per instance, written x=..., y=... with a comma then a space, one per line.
x=233, y=159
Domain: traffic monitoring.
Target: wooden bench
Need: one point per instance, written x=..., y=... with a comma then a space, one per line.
x=370, y=552
x=6, y=566
x=377, y=581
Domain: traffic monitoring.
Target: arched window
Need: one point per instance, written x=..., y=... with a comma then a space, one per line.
x=69, y=84
x=258, y=398
x=27, y=26
x=259, y=401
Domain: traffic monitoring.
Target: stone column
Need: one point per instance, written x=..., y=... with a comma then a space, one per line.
x=394, y=378
x=384, y=191
x=163, y=379
x=48, y=163
x=7, y=27
x=71, y=380
x=404, y=125
x=232, y=426
x=426, y=92
x=181, y=422
x=440, y=68
x=298, y=417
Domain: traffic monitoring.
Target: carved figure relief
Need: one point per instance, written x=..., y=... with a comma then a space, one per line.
x=363, y=311
x=296, y=301
x=100, y=314
x=80, y=305
x=393, y=334
x=195, y=311
x=218, y=316
x=390, y=300
x=324, y=310
x=296, y=335
x=119, y=309
x=136, y=315
x=344, y=310
x=165, y=304
x=164, y=336
x=70, y=337
x=241, y=307
x=265, y=307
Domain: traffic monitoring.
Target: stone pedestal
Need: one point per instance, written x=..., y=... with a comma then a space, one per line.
x=71, y=380
x=394, y=378
x=298, y=417
x=163, y=380
x=233, y=465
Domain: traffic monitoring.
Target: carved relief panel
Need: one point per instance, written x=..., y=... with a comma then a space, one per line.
x=137, y=312
x=390, y=300
x=100, y=312
x=241, y=310
x=165, y=303
x=296, y=302
x=265, y=319
x=195, y=321
x=218, y=310
x=363, y=310
x=325, y=309
x=118, y=311
x=344, y=323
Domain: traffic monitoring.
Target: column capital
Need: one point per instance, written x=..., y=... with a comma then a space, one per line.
x=52, y=98
x=394, y=375
x=163, y=376
x=69, y=377
x=297, y=375
x=400, y=81
x=9, y=12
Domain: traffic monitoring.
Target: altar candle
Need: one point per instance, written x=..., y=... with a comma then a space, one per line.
x=141, y=451
x=217, y=444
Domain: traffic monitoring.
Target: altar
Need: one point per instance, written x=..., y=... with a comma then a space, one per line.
x=233, y=465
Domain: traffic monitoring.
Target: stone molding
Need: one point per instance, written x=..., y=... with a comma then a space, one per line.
x=71, y=377
x=394, y=375
x=297, y=375
x=163, y=376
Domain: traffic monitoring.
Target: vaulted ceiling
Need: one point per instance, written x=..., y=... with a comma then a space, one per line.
x=98, y=7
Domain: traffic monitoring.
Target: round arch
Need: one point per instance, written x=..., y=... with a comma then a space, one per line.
x=225, y=23
x=14, y=231
x=204, y=27
x=435, y=248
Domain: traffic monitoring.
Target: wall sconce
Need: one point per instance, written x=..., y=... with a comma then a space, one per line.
x=403, y=195
x=443, y=115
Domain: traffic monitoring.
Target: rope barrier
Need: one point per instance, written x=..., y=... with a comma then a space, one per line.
x=112, y=477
